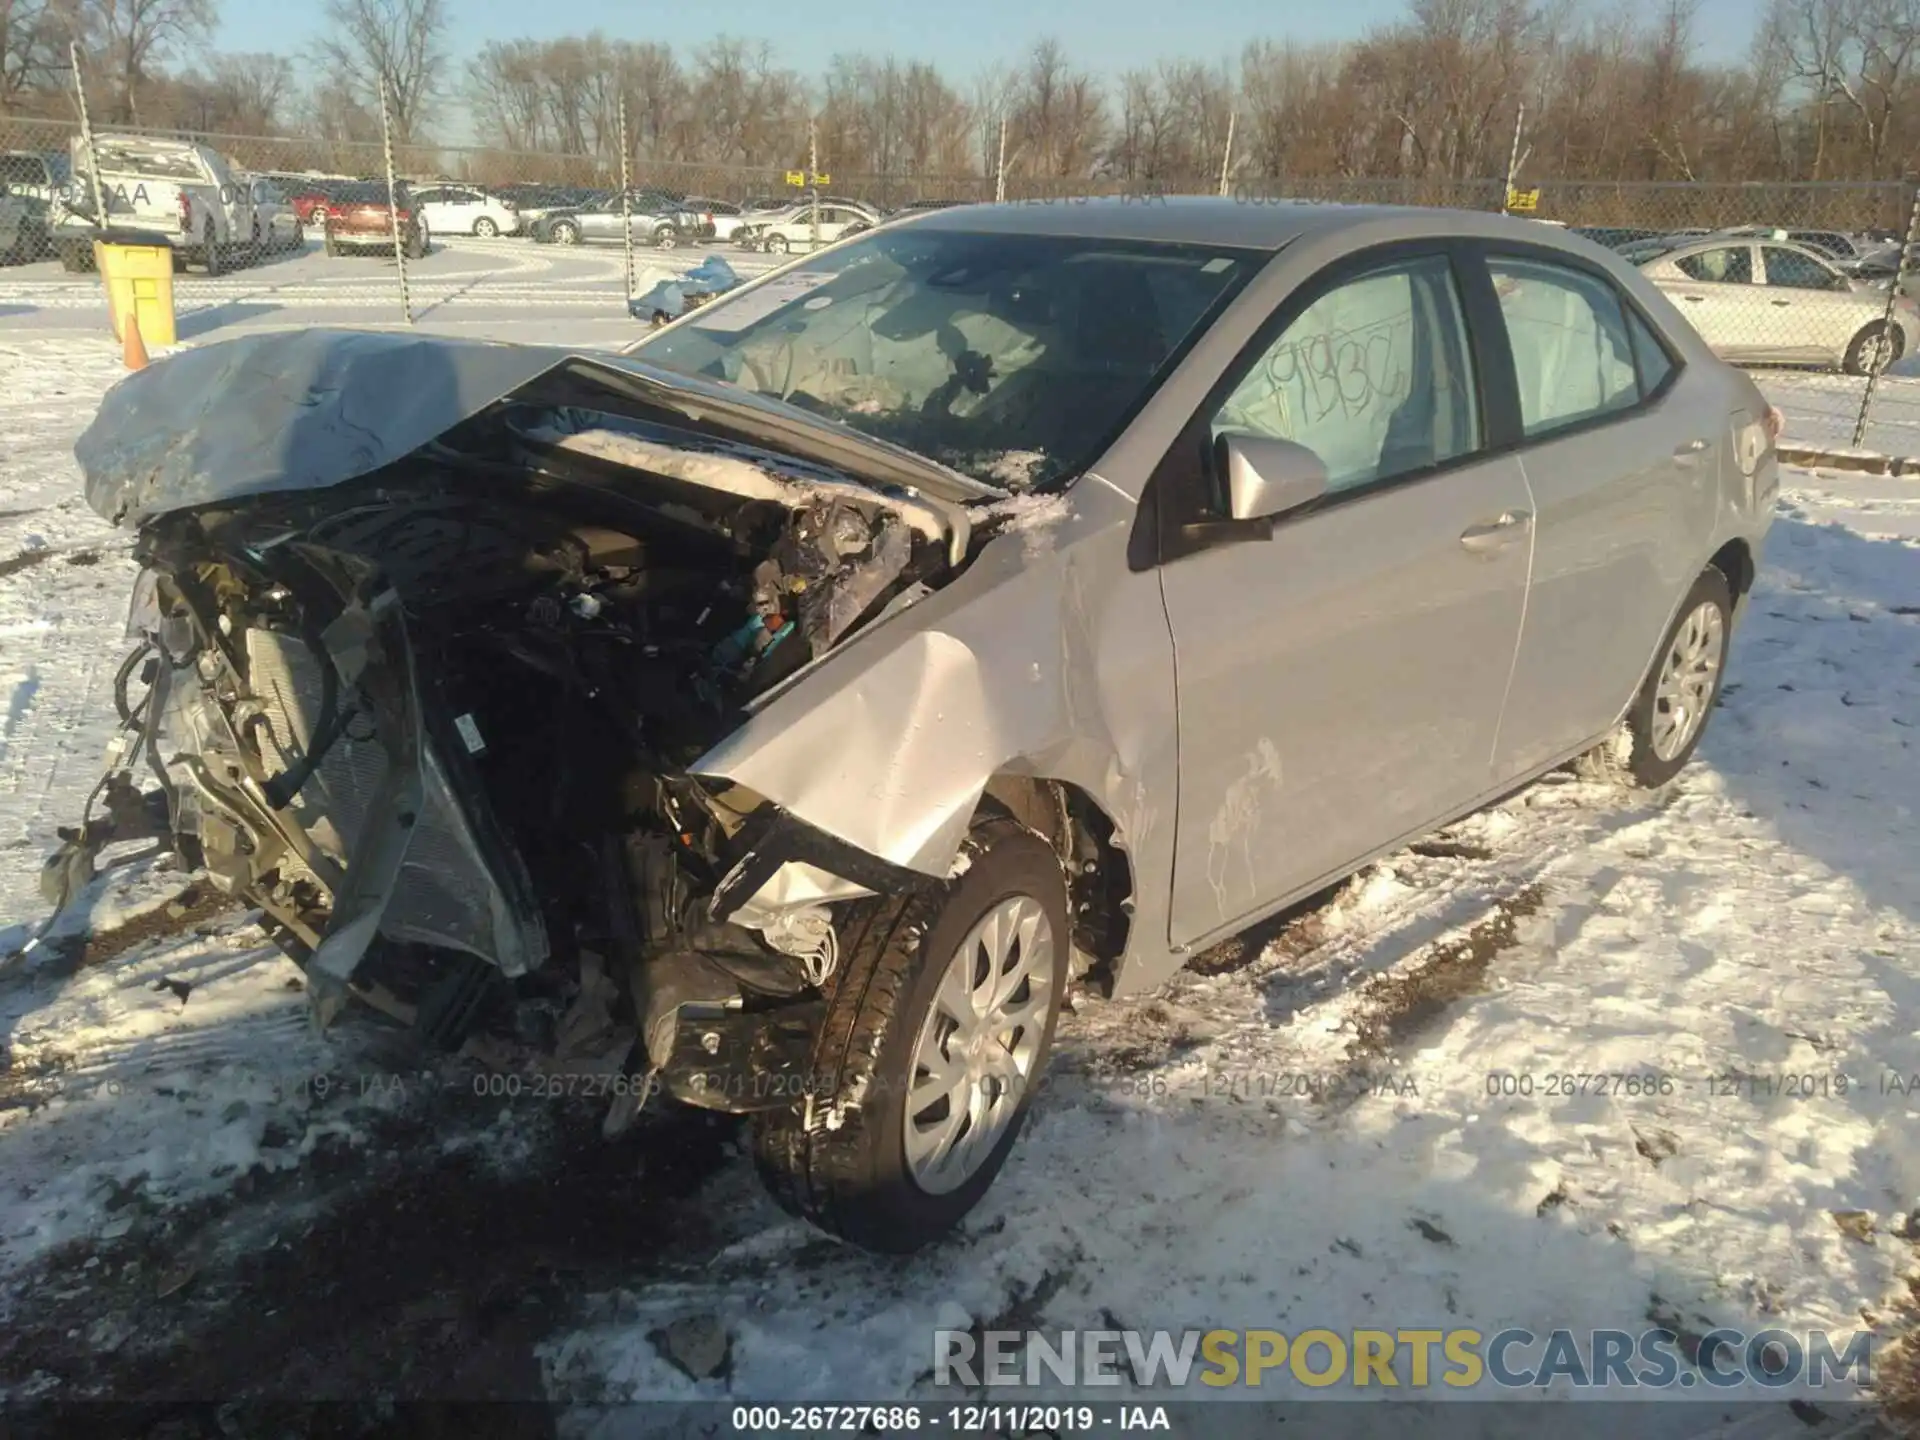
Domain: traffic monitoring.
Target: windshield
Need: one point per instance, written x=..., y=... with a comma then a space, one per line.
x=1010, y=358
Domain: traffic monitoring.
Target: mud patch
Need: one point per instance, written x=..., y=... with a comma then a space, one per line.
x=1394, y=1009
x=403, y=1269
x=25, y=560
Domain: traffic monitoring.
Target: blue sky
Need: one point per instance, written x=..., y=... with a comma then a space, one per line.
x=961, y=37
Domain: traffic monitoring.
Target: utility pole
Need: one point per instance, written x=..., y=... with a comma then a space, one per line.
x=1000, y=165
x=813, y=179
x=1226, y=161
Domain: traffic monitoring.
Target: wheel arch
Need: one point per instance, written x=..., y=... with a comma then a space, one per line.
x=1100, y=882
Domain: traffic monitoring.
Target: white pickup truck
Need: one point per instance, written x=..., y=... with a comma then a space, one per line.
x=178, y=192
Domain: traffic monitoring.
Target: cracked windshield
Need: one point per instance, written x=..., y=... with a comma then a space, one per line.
x=1010, y=358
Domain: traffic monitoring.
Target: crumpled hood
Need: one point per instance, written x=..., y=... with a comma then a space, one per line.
x=309, y=409
x=296, y=410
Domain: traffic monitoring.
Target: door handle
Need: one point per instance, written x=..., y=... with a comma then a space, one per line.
x=1496, y=534
x=1781, y=303
x=1693, y=299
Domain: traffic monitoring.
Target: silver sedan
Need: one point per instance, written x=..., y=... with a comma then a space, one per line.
x=1006, y=598
x=1765, y=301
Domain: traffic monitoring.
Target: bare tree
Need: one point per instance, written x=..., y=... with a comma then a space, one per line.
x=399, y=44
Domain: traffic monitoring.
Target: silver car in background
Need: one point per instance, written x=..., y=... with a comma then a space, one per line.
x=1773, y=302
x=1007, y=598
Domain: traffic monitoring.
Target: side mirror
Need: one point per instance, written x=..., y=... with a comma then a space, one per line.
x=1267, y=477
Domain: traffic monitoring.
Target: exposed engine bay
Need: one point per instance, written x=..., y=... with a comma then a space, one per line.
x=434, y=725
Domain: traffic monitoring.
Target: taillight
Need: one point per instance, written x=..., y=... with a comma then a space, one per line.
x=1776, y=423
x=186, y=214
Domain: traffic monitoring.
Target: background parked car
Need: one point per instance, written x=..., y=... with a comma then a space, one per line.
x=533, y=202
x=360, y=217
x=1774, y=302
x=276, y=225
x=725, y=216
x=466, y=210
x=29, y=181
x=791, y=229
x=663, y=221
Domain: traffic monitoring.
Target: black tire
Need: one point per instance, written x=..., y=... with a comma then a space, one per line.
x=485, y=228
x=1860, y=354
x=210, y=250
x=666, y=238
x=851, y=1178
x=1629, y=756
x=565, y=232
x=416, y=242
x=257, y=248
x=777, y=245
x=331, y=246
x=76, y=259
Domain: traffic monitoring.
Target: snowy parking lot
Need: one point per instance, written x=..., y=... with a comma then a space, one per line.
x=1371, y=1111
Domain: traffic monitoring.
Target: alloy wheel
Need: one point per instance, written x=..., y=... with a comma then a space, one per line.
x=1687, y=678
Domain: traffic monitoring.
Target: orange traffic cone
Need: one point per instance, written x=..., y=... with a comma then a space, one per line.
x=133, y=349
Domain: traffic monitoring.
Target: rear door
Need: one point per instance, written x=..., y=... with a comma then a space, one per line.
x=1623, y=475
x=1339, y=686
x=1815, y=310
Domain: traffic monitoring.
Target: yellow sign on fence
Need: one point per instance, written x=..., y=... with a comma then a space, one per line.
x=799, y=177
x=1523, y=201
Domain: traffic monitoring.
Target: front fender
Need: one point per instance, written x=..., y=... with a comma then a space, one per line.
x=1046, y=657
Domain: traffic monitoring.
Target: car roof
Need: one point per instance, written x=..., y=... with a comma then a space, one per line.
x=1240, y=223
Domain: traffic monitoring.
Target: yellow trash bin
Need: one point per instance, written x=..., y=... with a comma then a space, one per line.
x=139, y=281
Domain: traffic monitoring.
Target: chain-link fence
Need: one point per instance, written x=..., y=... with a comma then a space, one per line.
x=1802, y=283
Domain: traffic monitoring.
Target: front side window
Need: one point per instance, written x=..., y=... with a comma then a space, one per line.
x=1374, y=377
x=1011, y=358
x=1729, y=265
x=1572, y=356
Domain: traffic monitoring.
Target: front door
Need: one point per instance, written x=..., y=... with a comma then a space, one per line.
x=1341, y=685
x=1714, y=289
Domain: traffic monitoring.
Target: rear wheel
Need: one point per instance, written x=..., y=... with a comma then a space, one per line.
x=210, y=249
x=1667, y=718
x=1876, y=347
x=937, y=1032
x=331, y=245
x=76, y=259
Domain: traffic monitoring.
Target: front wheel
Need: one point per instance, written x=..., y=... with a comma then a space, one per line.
x=566, y=233
x=1667, y=718
x=937, y=1032
x=666, y=237
x=1876, y=347
x=485, y=228
x=777, y=245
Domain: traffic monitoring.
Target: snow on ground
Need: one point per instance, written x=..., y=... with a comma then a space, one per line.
x=1822, y=409
x=1348, y=1118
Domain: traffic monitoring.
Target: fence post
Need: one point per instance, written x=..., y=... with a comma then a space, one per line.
x=393, y=202
x=86, y=139
x=1513, y=161
x=1226, y=160
x=813, y=184
x=1900, y=273
x=626, y=199
x=1000, y=165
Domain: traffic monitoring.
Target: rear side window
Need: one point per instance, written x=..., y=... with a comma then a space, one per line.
x=1572, y=356
x=1729, y=265
x=1649, y=354
x=1790, y=270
